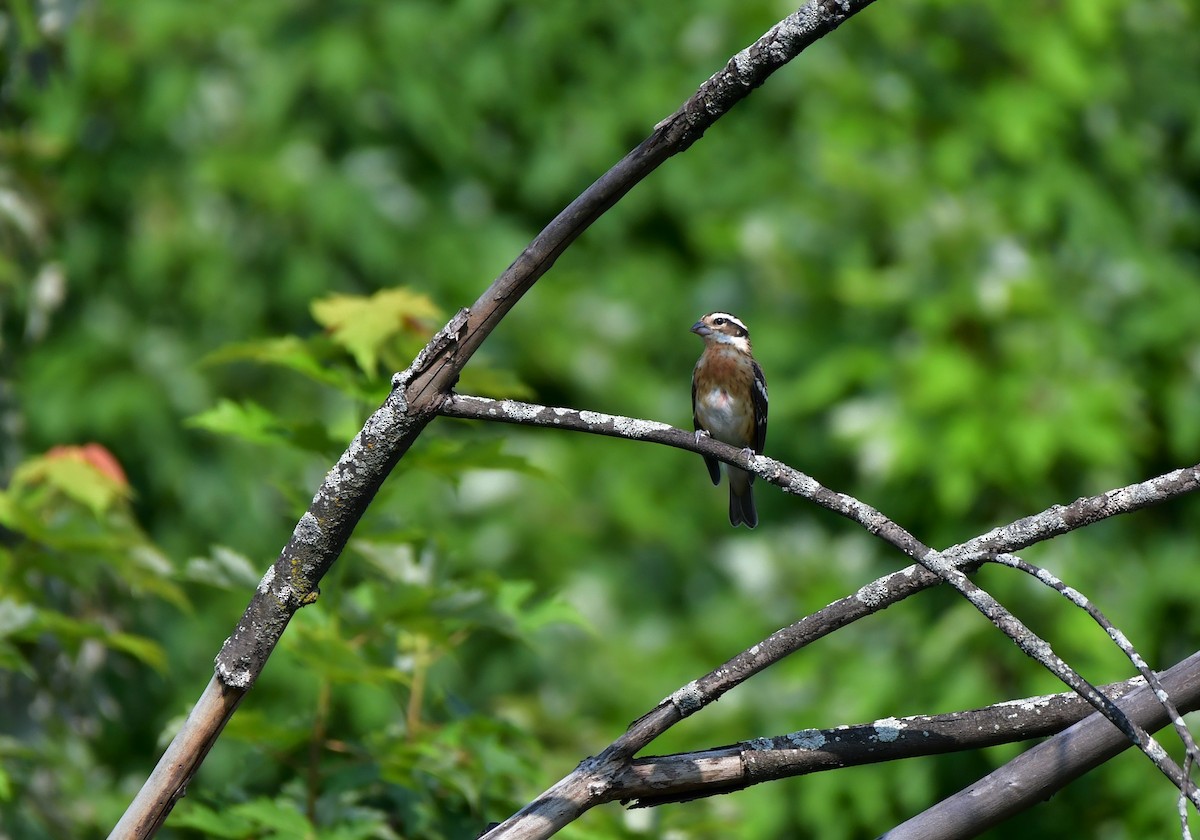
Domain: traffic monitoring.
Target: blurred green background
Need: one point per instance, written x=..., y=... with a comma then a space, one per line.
x=966, y=237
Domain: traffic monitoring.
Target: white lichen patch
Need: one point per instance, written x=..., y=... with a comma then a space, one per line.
x=889, y=729
x=286, y=594
x=806, y=739
x=1075, y=596
x=687, y=699
x=1029, y=704
x=519, y=411
x=236, y=679
x=382, y=423
x=743, y=63
x=265, y=583
x=937, y=563
x=308, y=530
x=1120, y=638
x=873, y=593
x=1047, y=578
x=634, y=428
x=804, y=485
x=980, y=598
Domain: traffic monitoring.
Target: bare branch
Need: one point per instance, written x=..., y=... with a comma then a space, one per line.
x=1061, y=519
x=1038, y=773
x=614, y=425
x=656, y=780
x=1052, y=522
x=188, y=749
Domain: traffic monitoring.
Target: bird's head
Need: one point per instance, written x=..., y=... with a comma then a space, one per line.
x=723, y=328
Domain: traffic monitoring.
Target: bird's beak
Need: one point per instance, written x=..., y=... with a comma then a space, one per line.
x=701, y=329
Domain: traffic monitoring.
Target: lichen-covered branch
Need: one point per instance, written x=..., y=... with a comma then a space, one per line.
x=655, y=780
x=613, y=425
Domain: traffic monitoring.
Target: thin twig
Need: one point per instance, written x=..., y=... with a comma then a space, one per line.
x=1120, y=639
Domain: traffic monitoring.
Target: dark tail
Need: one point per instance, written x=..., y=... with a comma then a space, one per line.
x=741, y=506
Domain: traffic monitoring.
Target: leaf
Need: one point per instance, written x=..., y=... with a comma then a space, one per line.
x=320, y=644
x=146, y=569
x=12, y=660
x=451, y=458
x=68, y=629
x=223, y=568
x=15, y=616
x=364, y=325
x=248, y=421
x=140, y=648
x=192, y=814
x=310, y=358
x=277, y=814
x=253, y=423
x=75, y=472
x=514, y=600
x=289, y=352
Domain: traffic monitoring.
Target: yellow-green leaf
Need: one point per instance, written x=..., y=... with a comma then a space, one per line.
x=363, y=325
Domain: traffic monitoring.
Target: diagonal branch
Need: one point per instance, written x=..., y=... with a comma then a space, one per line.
x=656, y=780
x=322, y=532
x=1052, y=522
x=613, y=425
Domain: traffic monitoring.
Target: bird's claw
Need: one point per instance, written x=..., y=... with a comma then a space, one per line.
x=701, y=434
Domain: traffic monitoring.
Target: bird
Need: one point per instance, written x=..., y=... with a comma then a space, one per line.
x=729, y=403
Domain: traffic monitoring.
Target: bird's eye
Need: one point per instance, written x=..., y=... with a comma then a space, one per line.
x=720, y=322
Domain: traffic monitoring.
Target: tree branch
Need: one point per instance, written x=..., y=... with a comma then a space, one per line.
x=1039, y=527
x=348, y=489
x=1039, y=772
x=656, y=780
x=613, y=425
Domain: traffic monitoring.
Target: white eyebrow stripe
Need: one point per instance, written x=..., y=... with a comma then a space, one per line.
x=728, y=317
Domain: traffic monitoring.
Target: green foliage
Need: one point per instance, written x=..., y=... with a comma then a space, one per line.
x=966, y=238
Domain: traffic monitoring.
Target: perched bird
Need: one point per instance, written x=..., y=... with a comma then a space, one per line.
x=729, y=402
